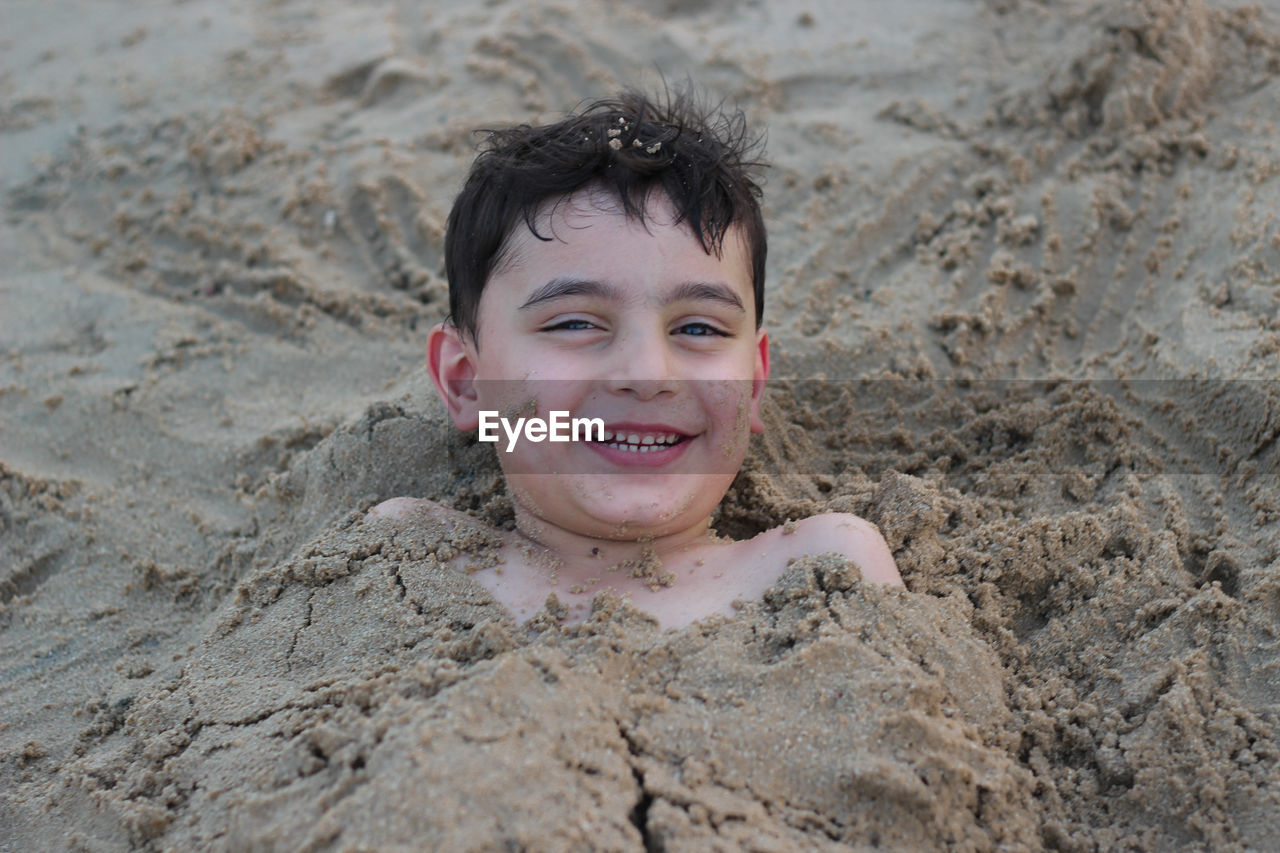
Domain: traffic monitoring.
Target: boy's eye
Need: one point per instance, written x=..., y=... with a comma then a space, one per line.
x=573, y=325
x=701, y=330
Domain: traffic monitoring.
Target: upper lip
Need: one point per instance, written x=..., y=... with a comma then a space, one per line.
x=631, y=427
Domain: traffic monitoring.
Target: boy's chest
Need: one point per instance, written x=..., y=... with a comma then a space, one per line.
x=677, y=592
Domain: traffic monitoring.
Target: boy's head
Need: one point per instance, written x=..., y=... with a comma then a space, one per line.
x=611, y=266
x=627, y=148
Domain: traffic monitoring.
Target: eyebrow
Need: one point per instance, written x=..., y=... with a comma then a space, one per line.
x=688, y=291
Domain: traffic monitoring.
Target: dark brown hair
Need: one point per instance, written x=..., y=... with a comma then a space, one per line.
x=702, y=158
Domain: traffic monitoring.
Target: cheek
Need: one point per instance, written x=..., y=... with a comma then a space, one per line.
x=531, y=396
x=510, y=399
x=731, y=406
x=501, y=357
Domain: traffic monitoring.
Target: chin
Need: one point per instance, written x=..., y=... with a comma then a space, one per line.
x=631, y=509
x=630, y=520
x=641, y=523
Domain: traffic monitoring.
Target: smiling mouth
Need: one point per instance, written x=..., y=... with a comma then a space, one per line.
x=641, y=442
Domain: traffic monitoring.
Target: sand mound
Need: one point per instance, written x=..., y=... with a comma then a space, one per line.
x=359, y=675
x=1142, y=63
x=1025, y=319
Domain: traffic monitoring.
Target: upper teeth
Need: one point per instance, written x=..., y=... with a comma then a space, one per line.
x=637, y=439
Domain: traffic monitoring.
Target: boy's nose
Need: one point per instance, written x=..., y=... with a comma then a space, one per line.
x=642, y=366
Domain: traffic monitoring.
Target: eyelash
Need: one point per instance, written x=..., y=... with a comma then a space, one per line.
x=567, y=324
x=576, y=325
x=712, y=331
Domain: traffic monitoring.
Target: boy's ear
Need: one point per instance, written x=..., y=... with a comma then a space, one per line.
x=451, y=361
x=759, y=375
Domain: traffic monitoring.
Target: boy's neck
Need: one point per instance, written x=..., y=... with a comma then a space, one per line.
x=573, y=557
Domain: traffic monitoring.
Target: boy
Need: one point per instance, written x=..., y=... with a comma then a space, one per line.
x=610, y=267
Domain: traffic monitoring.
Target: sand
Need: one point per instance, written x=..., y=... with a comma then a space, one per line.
x=1025, y=312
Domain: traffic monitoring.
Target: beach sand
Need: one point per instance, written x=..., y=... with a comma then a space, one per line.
x=1024, y=298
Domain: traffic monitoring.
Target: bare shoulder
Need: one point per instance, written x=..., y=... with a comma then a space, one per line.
x=847, y=534
x=408, y=509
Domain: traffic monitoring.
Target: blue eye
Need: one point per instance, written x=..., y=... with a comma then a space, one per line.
x=571, y=326
x=700, y=330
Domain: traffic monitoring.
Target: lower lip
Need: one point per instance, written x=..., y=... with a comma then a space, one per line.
x=636, y=459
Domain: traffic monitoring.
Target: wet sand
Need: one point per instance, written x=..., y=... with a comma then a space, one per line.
x=1025, y=317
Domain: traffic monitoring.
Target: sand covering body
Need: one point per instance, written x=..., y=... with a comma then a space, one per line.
x=1024, y=310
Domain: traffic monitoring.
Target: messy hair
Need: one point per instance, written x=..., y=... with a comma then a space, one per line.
x=702, y=158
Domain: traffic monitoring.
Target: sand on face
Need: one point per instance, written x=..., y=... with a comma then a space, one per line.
x=1024, y=312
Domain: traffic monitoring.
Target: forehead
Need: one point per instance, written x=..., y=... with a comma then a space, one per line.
x=591, y=229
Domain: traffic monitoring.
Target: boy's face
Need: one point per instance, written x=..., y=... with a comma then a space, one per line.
x=634, y=324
